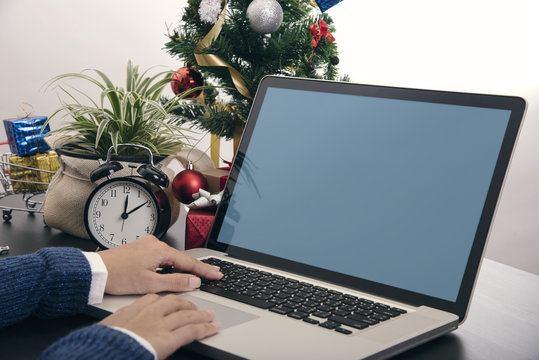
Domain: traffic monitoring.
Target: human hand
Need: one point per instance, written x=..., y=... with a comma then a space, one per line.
x=132, y=268
x=166, y=322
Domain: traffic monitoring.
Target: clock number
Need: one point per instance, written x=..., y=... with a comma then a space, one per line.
x=152, y=217
x=147, y=229
x=124, y=241
x=111, y=237
x=104, y=202
x=148, y=203
x=112, y=193
x=101, y=227
x=138, y=194
x=127, y=189
x=97, y=214
x=137, y=237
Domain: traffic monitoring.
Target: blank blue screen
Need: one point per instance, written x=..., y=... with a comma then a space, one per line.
x=385, y=190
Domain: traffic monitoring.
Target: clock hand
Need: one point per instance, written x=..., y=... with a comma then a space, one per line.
x=135, y=209
x=125, y=213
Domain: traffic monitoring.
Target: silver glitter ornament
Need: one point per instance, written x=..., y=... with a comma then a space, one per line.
x=265, y=16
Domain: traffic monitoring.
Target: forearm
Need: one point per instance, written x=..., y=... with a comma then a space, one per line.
x=50, y=283
x=57, y=282
x=97, y=342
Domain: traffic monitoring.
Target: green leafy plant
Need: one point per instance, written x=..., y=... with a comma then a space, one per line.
x=133, y=114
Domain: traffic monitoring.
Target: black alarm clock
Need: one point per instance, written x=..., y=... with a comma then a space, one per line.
x=124, y=208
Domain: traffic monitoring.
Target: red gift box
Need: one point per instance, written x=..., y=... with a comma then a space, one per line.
x=216, y=179
x=197, y=227
x=222, y=182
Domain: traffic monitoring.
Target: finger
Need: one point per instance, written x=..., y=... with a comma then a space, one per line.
x=131, y=310
x=174, y=282
x=187, y=263
x=182, y=318
x=173, y=303
x=189, y=333
x=144, y=301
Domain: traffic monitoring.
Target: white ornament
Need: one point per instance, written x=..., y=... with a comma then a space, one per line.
x=265, y=16
x=209, y=10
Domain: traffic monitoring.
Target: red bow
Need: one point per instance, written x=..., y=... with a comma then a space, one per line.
x=320, y=33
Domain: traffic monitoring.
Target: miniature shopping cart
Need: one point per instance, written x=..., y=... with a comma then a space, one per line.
x=25, y=187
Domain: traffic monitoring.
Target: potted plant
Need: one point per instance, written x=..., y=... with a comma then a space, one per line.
x=134, y=114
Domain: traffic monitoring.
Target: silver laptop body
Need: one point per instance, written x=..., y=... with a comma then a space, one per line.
x=375, y=193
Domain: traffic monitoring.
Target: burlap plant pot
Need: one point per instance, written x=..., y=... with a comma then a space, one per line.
x=71, y=186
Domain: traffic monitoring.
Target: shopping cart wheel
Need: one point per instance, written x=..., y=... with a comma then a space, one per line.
x=6, y=215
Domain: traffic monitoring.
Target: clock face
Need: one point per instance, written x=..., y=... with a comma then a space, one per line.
x=121, y=210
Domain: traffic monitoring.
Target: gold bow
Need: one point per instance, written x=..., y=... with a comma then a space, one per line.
x=214, y=60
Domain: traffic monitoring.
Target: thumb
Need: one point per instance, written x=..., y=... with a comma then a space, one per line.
x=174, y=282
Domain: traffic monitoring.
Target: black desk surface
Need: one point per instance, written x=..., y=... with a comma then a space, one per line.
x=503, y=321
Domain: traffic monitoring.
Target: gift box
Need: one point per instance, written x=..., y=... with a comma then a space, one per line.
x=326, y=4
x=47, y=165
x=22, y=173
x=216, y=179
x=25, y=135
x=197, y=227
x=32, y=173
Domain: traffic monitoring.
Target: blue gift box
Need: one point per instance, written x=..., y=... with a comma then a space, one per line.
x=25, y=136
x=326, y=4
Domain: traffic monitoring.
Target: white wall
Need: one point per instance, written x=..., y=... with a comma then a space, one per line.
x=465, y=45
x=42, y=39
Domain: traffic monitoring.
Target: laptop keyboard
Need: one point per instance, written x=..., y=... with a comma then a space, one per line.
x=298, y=300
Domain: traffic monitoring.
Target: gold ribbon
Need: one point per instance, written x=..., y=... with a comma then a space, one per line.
x=214, y=60
x=215, y=146
x=215, y=149
x=239, y=83
x=27, y=114
x=215, y=140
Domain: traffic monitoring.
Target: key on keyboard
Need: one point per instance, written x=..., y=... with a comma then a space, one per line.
x=298, y=300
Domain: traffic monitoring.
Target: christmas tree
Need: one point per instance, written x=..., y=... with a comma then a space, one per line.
x=235, y=43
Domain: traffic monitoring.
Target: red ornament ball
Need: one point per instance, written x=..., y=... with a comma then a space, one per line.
x=187, y=78
x=186, y=183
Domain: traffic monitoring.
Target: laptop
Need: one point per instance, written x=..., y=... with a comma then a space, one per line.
x=354, y=219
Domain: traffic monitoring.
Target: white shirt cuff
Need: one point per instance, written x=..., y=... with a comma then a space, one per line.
x=139, y=339
x=99, y=277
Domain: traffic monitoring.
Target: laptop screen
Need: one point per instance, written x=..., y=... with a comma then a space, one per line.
x=383, y=189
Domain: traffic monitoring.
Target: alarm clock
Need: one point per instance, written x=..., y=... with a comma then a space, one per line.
x=124, y=208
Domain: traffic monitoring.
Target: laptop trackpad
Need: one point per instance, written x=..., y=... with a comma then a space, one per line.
x=227, y=316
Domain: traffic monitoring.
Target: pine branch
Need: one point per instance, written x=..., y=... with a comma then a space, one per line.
x=287, y=51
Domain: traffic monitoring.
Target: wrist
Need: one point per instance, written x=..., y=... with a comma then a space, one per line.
x=99, y=277
x=143, y=342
